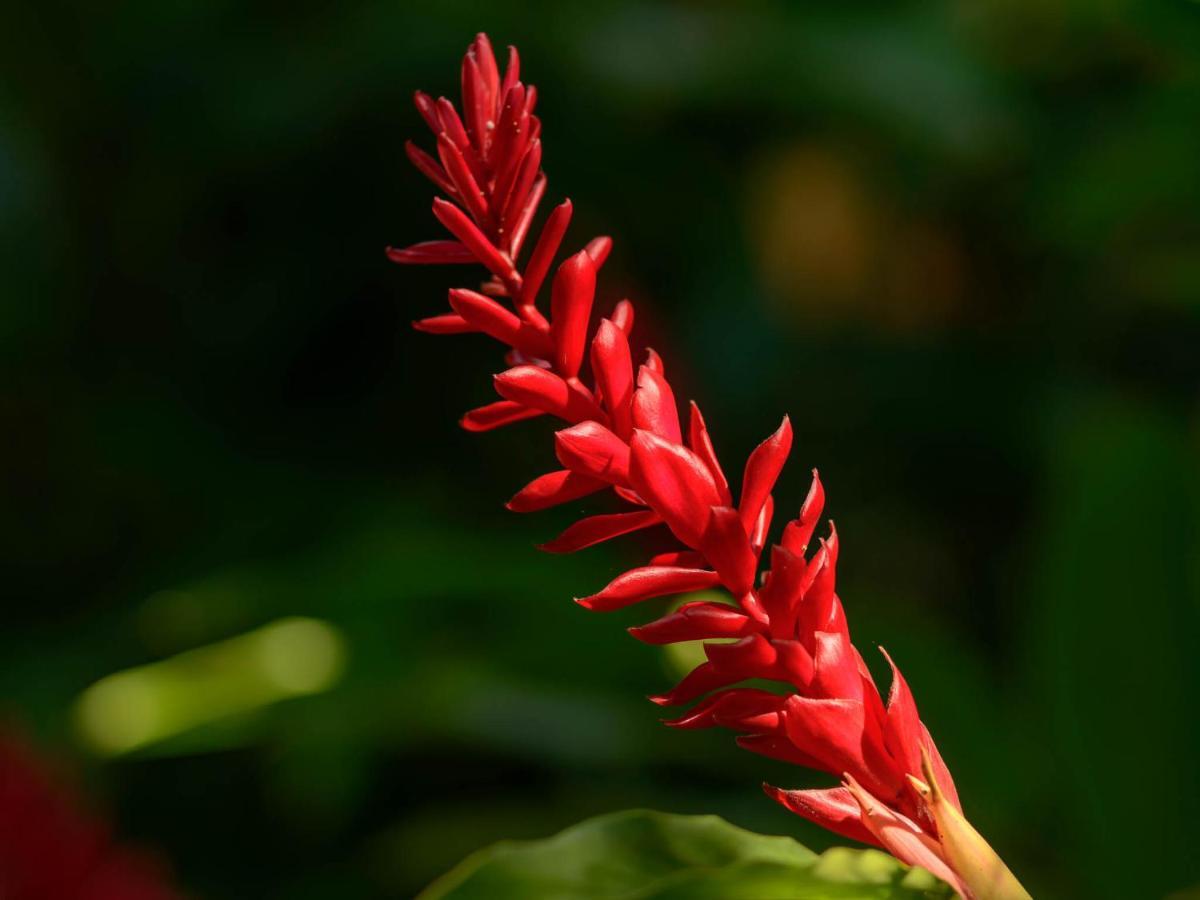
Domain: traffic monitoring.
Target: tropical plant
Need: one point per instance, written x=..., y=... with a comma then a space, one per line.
x=815, y=702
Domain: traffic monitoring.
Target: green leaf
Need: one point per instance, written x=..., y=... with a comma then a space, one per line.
x=645, y=855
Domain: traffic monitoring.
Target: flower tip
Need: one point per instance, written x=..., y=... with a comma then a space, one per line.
x=922, y=789
x=659, y=699
x=931, y=784
x=585, y=602
x=861, y=797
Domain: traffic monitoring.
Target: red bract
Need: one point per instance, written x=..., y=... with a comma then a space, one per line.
x=623, y=434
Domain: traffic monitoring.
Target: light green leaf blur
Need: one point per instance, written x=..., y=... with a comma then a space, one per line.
x=646, y=855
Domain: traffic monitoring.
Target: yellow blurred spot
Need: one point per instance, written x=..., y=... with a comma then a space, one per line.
x=832, y=246
x=301, y=656
x=131, y=709
x=119, y=712
x=816, y=229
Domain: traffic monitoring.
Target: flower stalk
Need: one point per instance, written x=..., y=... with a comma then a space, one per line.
x=623, y=434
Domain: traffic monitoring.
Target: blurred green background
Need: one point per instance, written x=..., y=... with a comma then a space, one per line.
x=958, y=243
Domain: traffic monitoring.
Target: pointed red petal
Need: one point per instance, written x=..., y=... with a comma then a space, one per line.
x=835, y=667
x=782, y=591
x=622, y=316
x=596, y=529
x=450, y=323
x=654, y=406
x=613, y=370
x=541, y=389
x=837, y=734
x=762, y=469
x=453, y=126
x=552, y=489
x=591, y=449
x=673, y=481
x=762, y=525
x=544, y=250
x=465, y=230
x=428, y=110
x=794, y=663
x=598, y=249
x=699, y=681
x=751, y=657
x=512, y=139
x=571, y=298
x=631, y=496
x=486, y=58
x=431, y=253
x=798, y=533
x=832, y=808
x=727, y=548
x=902, y=733
x=524, y=217
x=831, y=731
x=474, y=94
x=696, y=621
x=494, y=320
x=702, y=446
x=451, y=123
x=468, y=189
x=430, y=168
x=699, y=716
x=527, y=174
x=497, y=415
x=819, y=602
x=749, y=710
x=512, y=72
x=654, y=362
x=641, y=584
x=741, y=709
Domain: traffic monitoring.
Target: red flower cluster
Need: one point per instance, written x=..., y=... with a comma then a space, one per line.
x=624, y=434
x=50, y=851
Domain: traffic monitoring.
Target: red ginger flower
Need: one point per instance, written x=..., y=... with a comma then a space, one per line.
x=624, y=434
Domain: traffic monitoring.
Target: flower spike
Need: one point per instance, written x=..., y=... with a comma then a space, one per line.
x=782, y=622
